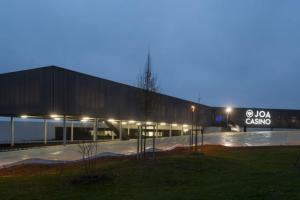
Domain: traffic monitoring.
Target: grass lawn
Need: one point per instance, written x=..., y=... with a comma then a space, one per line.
x=222, y=173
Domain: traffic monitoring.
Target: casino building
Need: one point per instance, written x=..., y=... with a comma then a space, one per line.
x=114, y=110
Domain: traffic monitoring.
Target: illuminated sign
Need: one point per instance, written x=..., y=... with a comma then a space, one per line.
x=258, y=117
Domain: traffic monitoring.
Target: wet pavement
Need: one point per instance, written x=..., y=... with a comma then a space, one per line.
x=60, y=153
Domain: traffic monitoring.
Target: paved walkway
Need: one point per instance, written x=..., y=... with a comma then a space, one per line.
x=60, y=153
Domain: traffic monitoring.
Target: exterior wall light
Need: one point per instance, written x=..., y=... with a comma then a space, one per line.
x=162, y=124
x=185, y=125
x=85, y=119
x=131, y=121
x=54, y=116
x=113, y=121
x=24, y=116
x=174, y=125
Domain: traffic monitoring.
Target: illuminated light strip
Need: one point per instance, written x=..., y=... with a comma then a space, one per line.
x=85, y=119
x=111, y=120
x=55, y=116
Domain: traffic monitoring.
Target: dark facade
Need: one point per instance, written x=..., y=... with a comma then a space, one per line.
x=29, y=91
x=48, y=90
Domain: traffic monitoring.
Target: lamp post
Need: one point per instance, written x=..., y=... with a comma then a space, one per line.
x=193, y=108
x=228, y=111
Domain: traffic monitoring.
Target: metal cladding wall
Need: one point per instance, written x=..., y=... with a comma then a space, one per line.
x=27, y=91
x=279, y=118
x=49, y=90
x=78, y=94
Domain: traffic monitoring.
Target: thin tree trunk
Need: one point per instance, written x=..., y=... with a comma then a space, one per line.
x=138, y=144
x=141, y=143
x=202, y=132
x=145, y=138
x=192, y=135
x=154, y=137
x=196, y=140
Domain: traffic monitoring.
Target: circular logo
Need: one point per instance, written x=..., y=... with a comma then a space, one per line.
x=249, y=113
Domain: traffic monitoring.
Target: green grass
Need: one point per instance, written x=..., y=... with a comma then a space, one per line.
x=259, y=173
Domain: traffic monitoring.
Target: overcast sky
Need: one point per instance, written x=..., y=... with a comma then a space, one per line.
x=231, y=52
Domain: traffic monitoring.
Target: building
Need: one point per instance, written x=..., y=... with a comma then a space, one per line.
x=54, y=93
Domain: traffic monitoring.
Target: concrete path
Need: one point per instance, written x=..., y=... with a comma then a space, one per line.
x=60, y=153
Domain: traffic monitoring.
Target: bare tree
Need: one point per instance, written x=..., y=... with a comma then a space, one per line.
x=149, y=100
x=88, y=151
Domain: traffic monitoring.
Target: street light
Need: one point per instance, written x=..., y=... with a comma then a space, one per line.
x=228, y=112
x=193, y=108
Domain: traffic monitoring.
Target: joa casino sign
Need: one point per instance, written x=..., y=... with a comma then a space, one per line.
x=258, y=117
